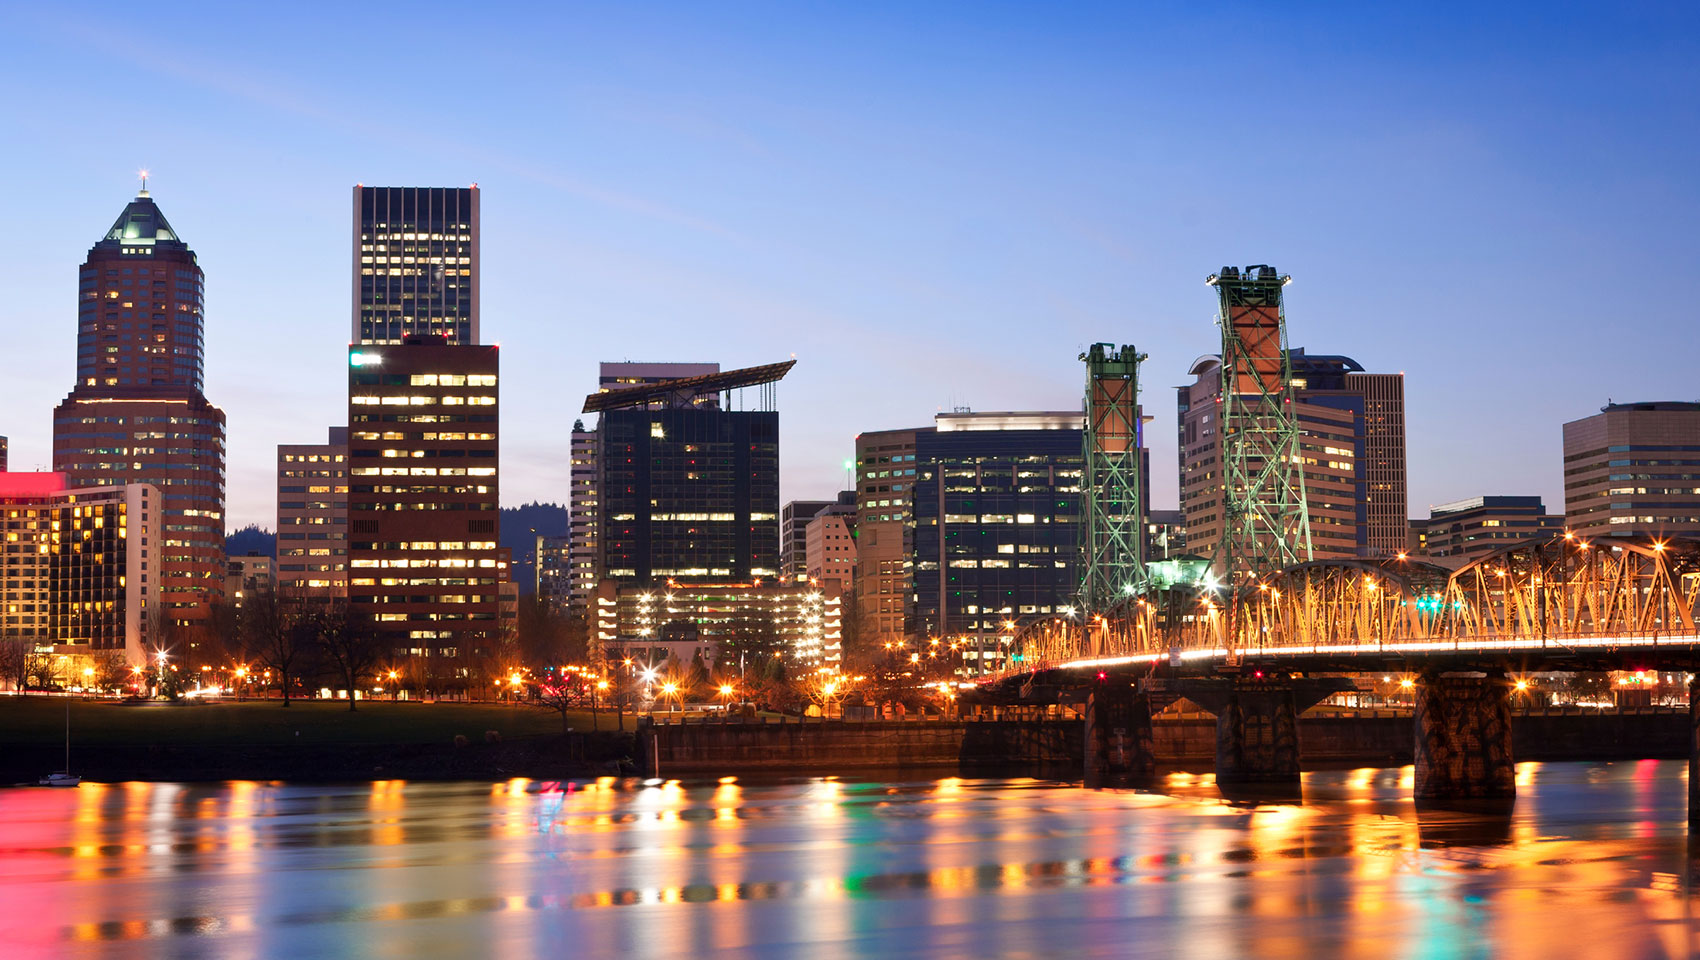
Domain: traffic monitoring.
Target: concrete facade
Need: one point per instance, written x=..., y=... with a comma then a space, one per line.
x=885, y=483
x=1633, y=469
x=312, y=516
x=79, y=569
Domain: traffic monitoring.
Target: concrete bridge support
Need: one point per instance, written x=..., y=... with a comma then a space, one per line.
x=1463, y=730
x=1118, y=735
x=1257, y=737
x=1257, y=721
x=1694, y=750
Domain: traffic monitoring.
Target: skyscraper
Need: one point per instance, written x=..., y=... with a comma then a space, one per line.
x=423, y=560
x=582, y=552
x=415, y=263
x=687, y=490
x=137, y=414
x=1634, y=469
x=997, y=508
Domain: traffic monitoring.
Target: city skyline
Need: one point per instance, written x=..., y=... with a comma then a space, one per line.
x=960, y=250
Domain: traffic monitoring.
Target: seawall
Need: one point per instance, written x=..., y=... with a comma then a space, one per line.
x=1057, y=745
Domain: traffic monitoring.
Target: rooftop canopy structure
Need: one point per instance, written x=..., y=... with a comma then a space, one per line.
x=666, y=391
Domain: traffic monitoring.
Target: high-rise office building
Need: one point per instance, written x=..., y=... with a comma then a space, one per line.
x=1633, y=469
x=582, y=553
x=584, y=558
x=76, y=570
x=1377, y=402
x=997, y=506
x=422, y=500
x=688, y=491
x=794, y=520
x=415, y=264
x=136, y=414
x=312, y=517
x=1353, y=445
x=885, y=487
x=1464, y=530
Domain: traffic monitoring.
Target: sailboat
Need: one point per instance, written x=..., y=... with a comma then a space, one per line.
x=64, y=778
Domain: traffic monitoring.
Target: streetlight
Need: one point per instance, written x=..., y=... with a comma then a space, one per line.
x=671, y=691
x=392, y=686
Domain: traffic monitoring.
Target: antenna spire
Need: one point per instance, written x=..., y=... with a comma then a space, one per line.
x=143, y=173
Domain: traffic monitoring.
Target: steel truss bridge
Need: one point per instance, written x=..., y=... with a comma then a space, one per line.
x=1555, y=603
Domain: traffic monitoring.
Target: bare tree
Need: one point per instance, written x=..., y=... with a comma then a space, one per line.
x=347, y=641
x=272, y=633
x=563, y=694
x=15, y=655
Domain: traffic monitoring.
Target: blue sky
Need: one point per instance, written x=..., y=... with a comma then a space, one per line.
x=928, y=205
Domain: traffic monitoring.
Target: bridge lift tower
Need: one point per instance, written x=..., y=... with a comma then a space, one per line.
x=1265, y=520
x=1113, y=542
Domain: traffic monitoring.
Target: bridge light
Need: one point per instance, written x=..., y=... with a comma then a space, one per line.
x=1522, y=685
x=1102, y=675
x=1658, y=546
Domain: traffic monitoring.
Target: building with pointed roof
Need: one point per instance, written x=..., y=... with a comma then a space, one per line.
x=136, y=414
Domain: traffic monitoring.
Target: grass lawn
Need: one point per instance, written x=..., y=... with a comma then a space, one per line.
x=42, y=720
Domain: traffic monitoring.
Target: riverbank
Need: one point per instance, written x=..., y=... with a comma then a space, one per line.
x=324, y=741
x=308, y=740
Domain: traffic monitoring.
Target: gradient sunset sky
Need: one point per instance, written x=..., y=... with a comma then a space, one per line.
x=929, y=206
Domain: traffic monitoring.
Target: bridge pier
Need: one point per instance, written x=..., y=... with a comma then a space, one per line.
x=1118, y=735
x=1694, y=750
x=1257, y=721
x=1463, y=731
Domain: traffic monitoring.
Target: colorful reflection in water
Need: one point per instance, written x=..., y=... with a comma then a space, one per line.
x=1594, y=861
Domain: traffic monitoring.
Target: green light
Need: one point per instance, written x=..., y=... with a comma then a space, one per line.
x=362, y=359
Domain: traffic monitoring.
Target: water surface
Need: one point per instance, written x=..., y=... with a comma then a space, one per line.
x=1594, y=861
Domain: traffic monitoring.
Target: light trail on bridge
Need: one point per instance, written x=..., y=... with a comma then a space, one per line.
x=1550, y=597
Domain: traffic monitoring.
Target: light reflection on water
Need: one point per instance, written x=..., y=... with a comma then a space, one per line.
x=1593, y=861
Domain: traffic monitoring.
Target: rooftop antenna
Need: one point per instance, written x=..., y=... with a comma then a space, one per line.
x=143, y=173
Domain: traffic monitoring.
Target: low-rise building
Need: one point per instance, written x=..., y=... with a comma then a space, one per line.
x=736, y=624
x=246, y=577
x=1463, y=530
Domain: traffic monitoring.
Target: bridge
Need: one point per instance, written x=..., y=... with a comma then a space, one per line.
x=1258, y=652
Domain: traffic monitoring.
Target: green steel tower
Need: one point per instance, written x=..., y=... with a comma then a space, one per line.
x=1112, y=544
x=1266, y=524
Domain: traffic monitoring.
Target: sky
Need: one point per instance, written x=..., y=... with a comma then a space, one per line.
x=929, y=206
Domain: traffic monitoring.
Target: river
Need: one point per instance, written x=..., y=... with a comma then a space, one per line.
x=1594, y=861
